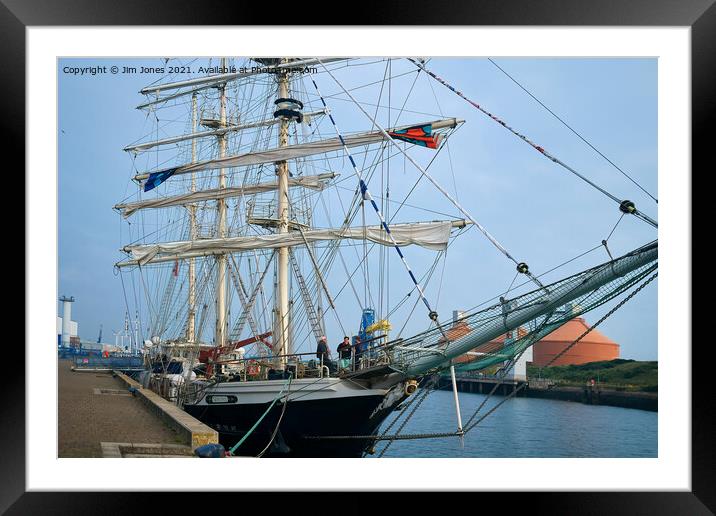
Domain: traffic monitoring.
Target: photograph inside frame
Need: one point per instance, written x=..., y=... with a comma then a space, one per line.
x=357, y=257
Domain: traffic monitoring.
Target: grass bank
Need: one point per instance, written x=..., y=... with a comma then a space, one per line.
x=619, y=375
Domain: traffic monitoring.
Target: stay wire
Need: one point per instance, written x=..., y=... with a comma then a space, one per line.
x=572, y=129
x=623, y=204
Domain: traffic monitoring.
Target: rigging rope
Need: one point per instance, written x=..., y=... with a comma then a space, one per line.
x=584, y=334
x=505, y=369
x=571, y=129
x=626, y=208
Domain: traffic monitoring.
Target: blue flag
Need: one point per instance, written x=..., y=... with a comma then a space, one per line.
x=157, y=178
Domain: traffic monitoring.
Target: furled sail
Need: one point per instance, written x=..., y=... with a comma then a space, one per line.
x=141, y=147
x=430, y=235
x=300, y=150
x=317, y=182
x=211, y=81
x=226, y=77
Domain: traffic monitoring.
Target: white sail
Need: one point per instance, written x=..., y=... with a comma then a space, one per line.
x=292, y=151
x=317, y=182
x=430, y=235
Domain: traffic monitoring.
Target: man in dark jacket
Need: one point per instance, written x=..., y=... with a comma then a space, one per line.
x=323, y=354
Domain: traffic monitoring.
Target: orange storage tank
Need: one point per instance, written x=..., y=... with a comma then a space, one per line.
x=594, y=347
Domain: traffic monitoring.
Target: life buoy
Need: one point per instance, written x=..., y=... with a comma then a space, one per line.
x=252, y=369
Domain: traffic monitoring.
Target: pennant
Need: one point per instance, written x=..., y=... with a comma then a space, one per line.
x=157, y=178
x=418, y=135
x=175, y=270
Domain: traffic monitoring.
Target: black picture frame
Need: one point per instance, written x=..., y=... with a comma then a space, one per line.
x=700, y=15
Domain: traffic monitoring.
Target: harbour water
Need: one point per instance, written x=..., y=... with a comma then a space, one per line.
x=527, y=427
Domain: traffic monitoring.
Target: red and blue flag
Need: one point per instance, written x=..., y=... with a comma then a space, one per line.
x=419, y=135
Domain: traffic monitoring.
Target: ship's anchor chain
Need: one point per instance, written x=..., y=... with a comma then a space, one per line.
x=418, y=400
x=470, y=426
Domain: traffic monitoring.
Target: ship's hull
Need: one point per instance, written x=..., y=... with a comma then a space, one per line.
x=330, y=407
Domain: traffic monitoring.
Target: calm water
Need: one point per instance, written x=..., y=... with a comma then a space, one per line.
x=527, y=427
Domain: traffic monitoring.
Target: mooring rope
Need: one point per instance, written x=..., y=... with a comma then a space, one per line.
x=251, y=430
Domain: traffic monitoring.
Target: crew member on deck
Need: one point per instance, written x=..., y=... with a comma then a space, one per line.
x=344, y=353
x=323, y=354
x=359, y=349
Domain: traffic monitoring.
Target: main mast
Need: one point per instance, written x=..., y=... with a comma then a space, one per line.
x=282, y=345
x=220, y=332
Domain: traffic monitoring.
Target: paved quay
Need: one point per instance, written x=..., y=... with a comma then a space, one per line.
x=97, y=408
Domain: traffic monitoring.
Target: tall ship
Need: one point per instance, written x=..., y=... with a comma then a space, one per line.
x=269, y=207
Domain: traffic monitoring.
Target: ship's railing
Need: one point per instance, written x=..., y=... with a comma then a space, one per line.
x=301, y=365
x=269, y=368
x=375, y=353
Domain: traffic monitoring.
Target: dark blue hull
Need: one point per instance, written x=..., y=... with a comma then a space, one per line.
x=302, y=421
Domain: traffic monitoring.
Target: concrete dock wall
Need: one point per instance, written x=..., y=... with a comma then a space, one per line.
x=588, y=395
x=193, y=431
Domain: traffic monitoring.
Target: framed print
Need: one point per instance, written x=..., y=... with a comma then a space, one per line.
x=203, y=296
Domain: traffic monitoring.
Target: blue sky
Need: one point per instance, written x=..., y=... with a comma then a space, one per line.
x=537, y=210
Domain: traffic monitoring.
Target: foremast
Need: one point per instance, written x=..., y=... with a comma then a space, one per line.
x=282, y=344
x=191, y=318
